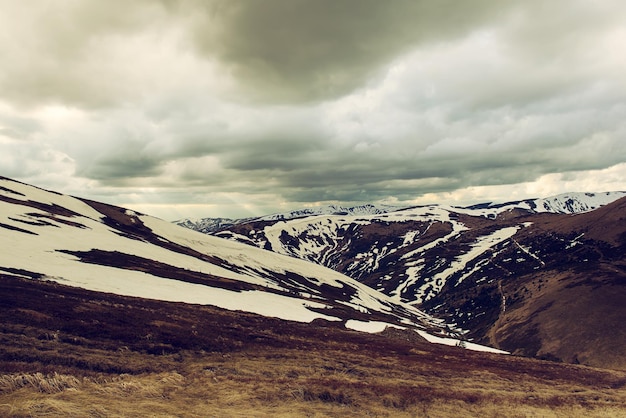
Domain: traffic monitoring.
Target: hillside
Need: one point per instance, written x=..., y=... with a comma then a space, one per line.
x=571, y=307
x=483, y=266
x=66, y=351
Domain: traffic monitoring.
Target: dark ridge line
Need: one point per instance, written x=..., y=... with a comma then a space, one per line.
x=12, y=191
x=22, y=273
x=15, y=228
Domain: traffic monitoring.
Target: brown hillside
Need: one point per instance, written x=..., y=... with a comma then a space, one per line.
x=69, y=352
x=572, y=308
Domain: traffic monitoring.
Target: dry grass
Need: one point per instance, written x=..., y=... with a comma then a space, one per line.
x=298, y=383
x=65, y=352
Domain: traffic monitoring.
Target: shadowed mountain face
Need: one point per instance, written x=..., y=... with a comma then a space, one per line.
x=529, y=277
x=572, y=306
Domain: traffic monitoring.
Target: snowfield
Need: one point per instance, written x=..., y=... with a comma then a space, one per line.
x=52, y=237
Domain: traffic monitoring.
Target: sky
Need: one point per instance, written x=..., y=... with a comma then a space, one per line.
x=238, y=108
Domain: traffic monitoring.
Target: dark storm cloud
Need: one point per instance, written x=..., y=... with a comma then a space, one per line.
x=278, y=50
x=302, y=50
x=285, y=154
x=112, y=169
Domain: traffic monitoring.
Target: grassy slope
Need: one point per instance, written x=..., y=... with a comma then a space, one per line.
x=573, y=308
x=69, y=352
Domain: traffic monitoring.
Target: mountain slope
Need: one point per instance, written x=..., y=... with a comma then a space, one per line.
x=100, y=247
x=481, y=265
x=69, y=351
x=572, y=307
x=66, y=351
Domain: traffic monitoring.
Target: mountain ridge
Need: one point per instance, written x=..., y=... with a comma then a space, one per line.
x=572, y=202
x=476, y=266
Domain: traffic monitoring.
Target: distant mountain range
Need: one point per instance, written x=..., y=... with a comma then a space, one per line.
x=208, y=225
x=564, y=203
x=48, y=236
x=538, y=277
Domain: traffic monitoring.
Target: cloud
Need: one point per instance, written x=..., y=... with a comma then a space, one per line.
x=276, y=104
x=96, y=54
x=301, y=51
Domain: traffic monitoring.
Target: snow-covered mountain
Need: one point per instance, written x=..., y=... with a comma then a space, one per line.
x=209, y=225
x=367, y=209
x=77, y=242
x=362, y=245
x=563, y=203
x=473, y=265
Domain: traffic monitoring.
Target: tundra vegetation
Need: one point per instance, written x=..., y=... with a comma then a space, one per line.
x=69, y=352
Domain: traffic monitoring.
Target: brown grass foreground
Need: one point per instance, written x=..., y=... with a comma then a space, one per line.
x=68, y=352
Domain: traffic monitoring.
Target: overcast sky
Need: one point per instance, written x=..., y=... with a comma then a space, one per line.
x=234, y=108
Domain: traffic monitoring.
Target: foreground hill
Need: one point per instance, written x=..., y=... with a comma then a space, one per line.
x=66, y=351
x=543, y=278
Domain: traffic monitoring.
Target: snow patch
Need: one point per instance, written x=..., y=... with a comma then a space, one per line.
x=371, y=327
x=459, y=343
